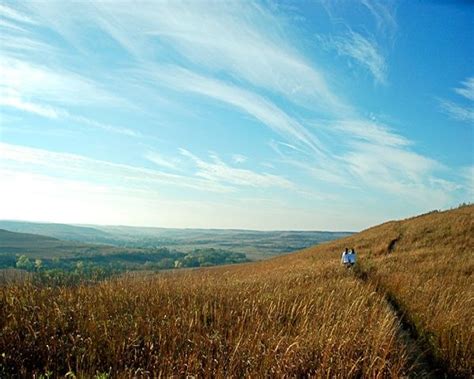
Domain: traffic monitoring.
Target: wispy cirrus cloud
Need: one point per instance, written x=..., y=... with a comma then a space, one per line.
x=50, y=93
x=38, y=109
x=360, y=49
x=457, y=112
x=159, y=160
x=467, y=175
x=22, y=46
x=11, y=14
x=45, y=89
x=376, y=157
x=214, y=176
x=228, y=37
x=217, y=171
x=239, y=158
x=466, y=89
x=362, y=43
x=44, y=110
x=52, y=85
x=461, y=111
x=383, y=13
x=110, y=174
x=369, y=132
x=373, y=156
x=397, y=172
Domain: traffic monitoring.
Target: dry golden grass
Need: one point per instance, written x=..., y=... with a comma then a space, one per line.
x=252, y=320
x=430, y=273
x=297, y=315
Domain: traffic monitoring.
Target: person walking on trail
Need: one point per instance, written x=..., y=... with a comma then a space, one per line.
x=352, y=257
x=345, y=257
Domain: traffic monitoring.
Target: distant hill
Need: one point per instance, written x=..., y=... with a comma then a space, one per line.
x=34, y=246
x=12, y=242
x=8, y=238
x=59, y=231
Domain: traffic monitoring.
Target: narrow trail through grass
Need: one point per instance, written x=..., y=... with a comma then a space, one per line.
x=421, y=358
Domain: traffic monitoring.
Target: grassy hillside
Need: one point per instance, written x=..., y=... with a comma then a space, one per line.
x=425, y=267
x=297, y=315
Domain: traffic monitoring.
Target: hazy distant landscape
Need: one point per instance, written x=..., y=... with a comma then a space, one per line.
x=61, y=253
x=254, y=244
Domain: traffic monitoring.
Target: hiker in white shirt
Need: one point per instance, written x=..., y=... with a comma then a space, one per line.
x=345, y=257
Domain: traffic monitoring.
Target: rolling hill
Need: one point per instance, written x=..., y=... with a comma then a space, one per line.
x=405, y=310
x=60, y=231
x=11, y=239
x=36, y=246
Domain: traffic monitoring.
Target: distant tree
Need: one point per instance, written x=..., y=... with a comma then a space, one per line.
x=80, y=267
x=24, y=263
x=38, y=264
x=166, y=263
x=190, y=261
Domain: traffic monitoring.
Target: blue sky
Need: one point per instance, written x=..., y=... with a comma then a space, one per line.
x=328, y=115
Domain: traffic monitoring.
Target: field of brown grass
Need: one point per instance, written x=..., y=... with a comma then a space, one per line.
x=296, y=315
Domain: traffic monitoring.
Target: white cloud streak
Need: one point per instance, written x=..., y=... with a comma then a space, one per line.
x=397, y=171
x=457, y=111
x=12, y=14
x=51, y=85
x=55, y=113
x=467, y=175
x=400, y=173
x=38, y=109
x=364, y=51
x=219, y=172
x=239, y=158
x=370, y=132
x=466, y=89
x=384, y=14
x=160, y=160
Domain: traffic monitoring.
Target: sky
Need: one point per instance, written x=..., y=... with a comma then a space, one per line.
x=310, y=115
